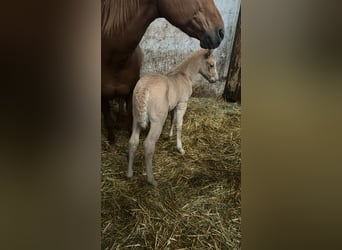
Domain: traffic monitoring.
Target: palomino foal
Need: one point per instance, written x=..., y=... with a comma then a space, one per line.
x=155, y=95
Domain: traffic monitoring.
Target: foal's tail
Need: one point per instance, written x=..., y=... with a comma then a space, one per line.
x=141, y=98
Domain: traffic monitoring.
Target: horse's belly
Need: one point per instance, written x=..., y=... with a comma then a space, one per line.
x=120, y=80
x=116, y=89
x=118, y=83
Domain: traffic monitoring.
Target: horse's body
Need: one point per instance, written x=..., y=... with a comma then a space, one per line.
x=124, y=23
x=155, y=95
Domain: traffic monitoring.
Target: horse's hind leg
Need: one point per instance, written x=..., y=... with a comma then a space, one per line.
x=108, y=120
x=149, y=146
x=180, y=111
x=132, y=147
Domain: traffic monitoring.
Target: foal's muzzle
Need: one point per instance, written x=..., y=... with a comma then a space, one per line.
x=212, y=80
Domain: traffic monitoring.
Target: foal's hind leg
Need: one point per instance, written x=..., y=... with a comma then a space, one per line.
x=149, y=146
x=180, y=111
x=108, y=120
x=132, y=147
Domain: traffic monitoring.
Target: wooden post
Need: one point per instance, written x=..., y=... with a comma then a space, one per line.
x=232, y=90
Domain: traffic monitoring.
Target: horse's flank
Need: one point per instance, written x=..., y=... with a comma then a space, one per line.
x=116, y=14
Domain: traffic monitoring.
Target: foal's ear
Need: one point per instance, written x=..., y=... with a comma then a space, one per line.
x=209, y=52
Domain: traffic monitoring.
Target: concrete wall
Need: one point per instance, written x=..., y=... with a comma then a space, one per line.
x=165, y=45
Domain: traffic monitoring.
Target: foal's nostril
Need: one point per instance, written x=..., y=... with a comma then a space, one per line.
x=221, y=33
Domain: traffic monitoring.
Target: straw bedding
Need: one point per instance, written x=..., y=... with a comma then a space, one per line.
x=197, y=203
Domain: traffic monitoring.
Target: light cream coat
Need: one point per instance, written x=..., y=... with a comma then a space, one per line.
x=155, y=95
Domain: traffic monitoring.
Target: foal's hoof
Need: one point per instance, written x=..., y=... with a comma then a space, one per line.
x=182, y=151
x=152, y=182
x=129, y=175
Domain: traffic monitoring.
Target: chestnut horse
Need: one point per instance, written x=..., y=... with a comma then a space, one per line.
x=124, y=23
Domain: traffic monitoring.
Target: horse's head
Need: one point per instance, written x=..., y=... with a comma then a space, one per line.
x=198, y=18
x=208, y=67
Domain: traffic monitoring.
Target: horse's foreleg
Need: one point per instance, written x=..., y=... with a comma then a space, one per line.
x=180, y=111
x=173, y=121
x=149, y=146
x=120, y=115
x=132, y=147
x=108, y=120
x=121, y=103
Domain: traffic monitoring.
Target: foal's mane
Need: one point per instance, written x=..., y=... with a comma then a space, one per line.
x=188, y=61
x=115, y=14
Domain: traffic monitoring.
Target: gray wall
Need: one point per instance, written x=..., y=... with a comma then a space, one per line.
x=165, y=45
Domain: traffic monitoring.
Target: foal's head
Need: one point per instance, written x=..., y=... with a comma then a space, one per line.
x=208, y=67
x=198, y=18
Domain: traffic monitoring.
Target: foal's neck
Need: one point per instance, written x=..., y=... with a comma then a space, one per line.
x=189, y=67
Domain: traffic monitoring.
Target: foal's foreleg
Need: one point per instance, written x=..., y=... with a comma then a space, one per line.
x=180, y=111
x=132, y=147
x=173, y=121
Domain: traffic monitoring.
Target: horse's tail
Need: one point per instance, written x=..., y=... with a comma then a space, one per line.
x=141, y=97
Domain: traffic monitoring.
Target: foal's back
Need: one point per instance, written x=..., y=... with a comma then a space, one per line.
x=163, y=90
x=151, y=96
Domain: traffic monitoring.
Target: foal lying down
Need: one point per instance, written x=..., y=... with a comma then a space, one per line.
x=155, y=95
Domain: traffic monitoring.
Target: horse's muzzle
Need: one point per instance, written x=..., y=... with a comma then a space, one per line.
x=212, y=39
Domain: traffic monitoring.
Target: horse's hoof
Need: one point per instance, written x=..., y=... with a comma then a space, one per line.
x=182, y=151
x=111, y=139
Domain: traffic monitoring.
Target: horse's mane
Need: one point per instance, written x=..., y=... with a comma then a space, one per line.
x=115, y=14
